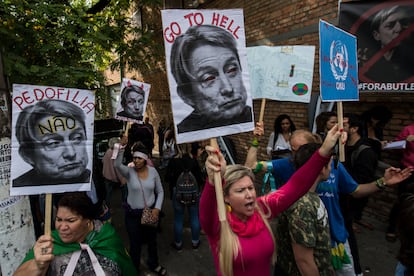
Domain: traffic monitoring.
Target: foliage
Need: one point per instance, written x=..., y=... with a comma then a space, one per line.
x=69, y=43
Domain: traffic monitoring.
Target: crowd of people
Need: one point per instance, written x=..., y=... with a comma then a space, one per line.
x=318, y=202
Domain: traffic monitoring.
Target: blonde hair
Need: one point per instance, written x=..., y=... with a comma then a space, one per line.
x=229, y=244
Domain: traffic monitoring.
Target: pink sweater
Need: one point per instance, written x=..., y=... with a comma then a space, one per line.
x=256, y=251
x=408, y=154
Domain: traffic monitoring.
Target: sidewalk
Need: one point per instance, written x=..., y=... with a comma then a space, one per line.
x=376, y=254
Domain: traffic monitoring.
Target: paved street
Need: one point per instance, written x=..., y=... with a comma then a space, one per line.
x=377, y=255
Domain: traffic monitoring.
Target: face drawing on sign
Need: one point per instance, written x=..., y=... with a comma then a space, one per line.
x=52, y=139
x=206, y=66
x=132, y=101
x=388, y=24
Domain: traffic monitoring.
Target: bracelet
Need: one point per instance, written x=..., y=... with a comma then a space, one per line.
x=380, y=183
x=255, y=143
x=259, y=167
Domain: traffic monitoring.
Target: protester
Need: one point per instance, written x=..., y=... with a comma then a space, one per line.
x=303, y=241
x=278, y=145
x=324, y=122
x=80, y=245
x=407, y=186
x=206, y=66
x=184, y=162
x=339, y=182
x=243, y=244
x=144, y=190
x=360, y=162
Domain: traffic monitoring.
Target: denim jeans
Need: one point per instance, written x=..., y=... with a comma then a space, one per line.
x=179, y=210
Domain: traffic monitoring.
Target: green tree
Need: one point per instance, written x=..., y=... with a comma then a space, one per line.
x=70, y=43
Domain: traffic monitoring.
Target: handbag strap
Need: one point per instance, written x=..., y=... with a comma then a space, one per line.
x=142, y=189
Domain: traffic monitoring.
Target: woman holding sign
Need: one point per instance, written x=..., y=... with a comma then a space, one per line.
x=244, y=244
x=80, y=245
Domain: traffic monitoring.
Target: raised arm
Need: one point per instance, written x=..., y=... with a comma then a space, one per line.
x=251, y=159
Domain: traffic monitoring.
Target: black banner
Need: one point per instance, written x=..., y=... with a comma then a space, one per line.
x=385, y=35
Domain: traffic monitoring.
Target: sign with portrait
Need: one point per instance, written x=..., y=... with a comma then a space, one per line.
x=132, y=101
x=337, y=64
x=207, y=72
x=385, y=32
x=282, y=73
x=52, y=139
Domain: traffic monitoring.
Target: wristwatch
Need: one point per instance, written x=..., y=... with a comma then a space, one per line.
x=380, y=183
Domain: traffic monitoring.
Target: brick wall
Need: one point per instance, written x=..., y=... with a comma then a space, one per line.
x=288, y=22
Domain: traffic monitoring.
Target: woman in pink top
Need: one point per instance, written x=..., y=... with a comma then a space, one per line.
x=243, y=244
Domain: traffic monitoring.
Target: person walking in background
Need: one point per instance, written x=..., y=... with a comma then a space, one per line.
x=407, y=161
x=243, y=244
x=278, y=145
x=324, y=122
x=303, y=240
x=144, y=190
x=178, y=167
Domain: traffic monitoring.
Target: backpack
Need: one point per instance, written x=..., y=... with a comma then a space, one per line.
x=186, y=188
x=379, y=169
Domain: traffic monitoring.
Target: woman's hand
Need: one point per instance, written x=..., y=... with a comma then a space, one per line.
x=215, y=163
x=331, y=139
x=259, y=129
x=155, y=212
x=43, y=252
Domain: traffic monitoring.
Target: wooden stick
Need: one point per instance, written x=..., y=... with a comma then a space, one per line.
x=340, y=114
x=48, y=214
x=262, y=109
x=221, y=209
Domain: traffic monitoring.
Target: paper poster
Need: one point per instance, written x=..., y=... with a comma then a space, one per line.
x=282, y=73
x=385, y=33
x=16, y=227
x=52, y=139
x=207, y=72
x=337, y=64
x=132, y=101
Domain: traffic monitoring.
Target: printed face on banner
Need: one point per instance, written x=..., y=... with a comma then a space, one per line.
x=133, y=100
x=207, y=72
x=385, y=32
x=52, y=137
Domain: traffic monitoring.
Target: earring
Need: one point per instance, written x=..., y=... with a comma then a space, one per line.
x=228, y=207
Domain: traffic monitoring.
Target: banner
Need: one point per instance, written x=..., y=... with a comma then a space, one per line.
x=385, y=33
x=337, y=64
x=133, y=101
x=207, y=73
x=52, y=139
x=282, y=73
